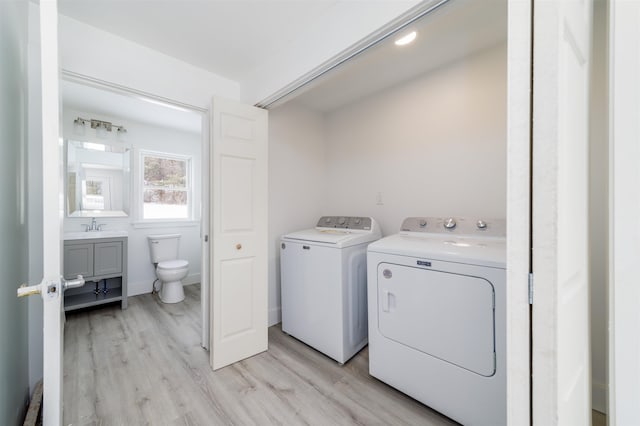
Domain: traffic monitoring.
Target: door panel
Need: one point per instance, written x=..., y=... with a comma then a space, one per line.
x=237, y=291
x=107, y=258
x=448, y=316
x=561, y=364
x=239, y=232
x=78, y=260
x=237, y=193
x=238, y=128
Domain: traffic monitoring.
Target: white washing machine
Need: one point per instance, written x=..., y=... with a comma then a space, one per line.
x=324, y=284
x=437, y=315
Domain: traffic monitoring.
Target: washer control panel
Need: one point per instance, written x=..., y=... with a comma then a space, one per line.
x=455, y=225
x=345, y=222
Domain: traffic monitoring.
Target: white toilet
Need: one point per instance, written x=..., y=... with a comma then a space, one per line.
x=169, y=269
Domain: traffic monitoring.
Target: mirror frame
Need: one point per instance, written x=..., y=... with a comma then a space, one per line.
x=124, y=213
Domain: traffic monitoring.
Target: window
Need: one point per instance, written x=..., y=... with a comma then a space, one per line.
x=166, y=187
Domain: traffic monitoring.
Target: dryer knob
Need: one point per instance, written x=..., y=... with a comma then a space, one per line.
x=481, y=224
x=450, y=223
x=358, y=221
x=342, y=221
x=327, y=220
x=422, y=223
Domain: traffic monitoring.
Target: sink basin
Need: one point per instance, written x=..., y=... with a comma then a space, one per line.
x=93, y=234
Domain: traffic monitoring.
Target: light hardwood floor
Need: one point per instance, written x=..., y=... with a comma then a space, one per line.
x=145, y=365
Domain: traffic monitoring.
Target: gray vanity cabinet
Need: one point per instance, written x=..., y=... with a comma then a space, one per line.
x=103, y=264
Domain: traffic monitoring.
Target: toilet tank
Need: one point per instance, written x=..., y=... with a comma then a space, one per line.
x=163, y=247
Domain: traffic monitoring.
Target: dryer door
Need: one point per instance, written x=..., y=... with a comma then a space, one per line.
x=445, y=315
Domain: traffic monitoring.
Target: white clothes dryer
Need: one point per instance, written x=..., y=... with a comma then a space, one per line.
x=324, y=284
x=436, y=294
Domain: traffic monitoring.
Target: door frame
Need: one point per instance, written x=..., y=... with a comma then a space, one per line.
x=205, y=279
x=624, y=211
x=519, y=214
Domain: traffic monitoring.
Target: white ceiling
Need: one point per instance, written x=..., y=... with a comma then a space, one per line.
x=457, y=29
x=230, y=38
x=129, y=108
x=227, y=37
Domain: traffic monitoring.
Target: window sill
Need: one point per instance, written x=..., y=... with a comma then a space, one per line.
x=147, y=224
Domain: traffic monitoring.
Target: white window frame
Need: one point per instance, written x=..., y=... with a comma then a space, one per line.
x=189, y=186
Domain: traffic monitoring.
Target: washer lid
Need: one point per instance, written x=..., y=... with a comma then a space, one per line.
x=473, y=251
x=173, y=264
x=334, y=237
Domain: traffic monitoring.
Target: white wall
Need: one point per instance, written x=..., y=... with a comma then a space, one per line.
x=14, y=357
x=142, y=136
x=598, y=206
x=435, y=146
x=87, y=50
x=297, y=187
x=342, y=25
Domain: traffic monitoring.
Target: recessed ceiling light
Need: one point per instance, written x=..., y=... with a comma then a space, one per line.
x=406, y=39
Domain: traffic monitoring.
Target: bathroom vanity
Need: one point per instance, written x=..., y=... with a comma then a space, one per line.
x=101, y=258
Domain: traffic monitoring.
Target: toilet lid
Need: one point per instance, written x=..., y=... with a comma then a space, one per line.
x=173, y=264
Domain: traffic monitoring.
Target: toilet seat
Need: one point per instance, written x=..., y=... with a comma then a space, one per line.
x=173, y=264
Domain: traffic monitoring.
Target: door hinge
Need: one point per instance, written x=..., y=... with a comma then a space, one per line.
x=531, y=288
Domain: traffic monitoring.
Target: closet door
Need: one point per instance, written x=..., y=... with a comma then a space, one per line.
x=239, y=230
x=561, y=363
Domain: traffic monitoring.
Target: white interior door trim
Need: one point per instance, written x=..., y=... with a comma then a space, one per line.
x=518, y=212
x=624, y=222
x=125, y=90
x=205, y=234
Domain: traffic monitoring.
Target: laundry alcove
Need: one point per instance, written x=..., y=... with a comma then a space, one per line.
x=400, y=130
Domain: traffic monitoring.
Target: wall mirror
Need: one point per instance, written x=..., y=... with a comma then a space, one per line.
x=98, y=179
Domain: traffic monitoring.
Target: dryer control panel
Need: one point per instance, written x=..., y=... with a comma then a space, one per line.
x=455, y=225
x=345, y=222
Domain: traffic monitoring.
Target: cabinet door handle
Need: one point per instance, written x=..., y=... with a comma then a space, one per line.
x=238, y=246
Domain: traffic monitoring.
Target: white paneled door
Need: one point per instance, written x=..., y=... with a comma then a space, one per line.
x=561, y=362
x=238, y=221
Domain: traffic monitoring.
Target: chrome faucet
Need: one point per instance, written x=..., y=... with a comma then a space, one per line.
x=94, y=226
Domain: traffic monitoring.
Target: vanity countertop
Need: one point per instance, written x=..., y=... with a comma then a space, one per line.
x=93, y=235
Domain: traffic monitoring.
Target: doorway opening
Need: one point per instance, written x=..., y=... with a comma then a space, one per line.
x=136, y=167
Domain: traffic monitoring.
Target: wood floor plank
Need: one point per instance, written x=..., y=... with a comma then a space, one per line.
x=145, y=365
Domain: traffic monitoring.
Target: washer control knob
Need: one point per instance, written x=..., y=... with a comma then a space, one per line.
x=342, y=221
x=481, y=224
x=450, y=223
x=422, y=223
x=327, y=220
x=358, y=221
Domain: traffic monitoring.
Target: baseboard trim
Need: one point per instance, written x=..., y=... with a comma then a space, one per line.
x=191, y=279
x=599, y=396
x=145, y=287
x=274, y=316
x=140, y=287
